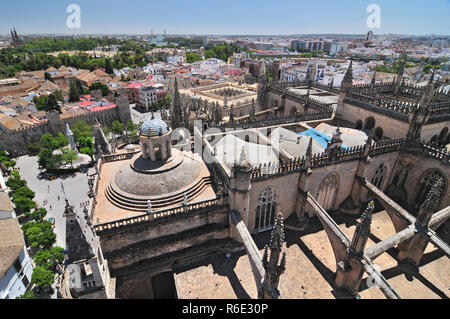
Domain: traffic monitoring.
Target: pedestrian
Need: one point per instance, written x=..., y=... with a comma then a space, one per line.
x=50, y=207
x=58, y=198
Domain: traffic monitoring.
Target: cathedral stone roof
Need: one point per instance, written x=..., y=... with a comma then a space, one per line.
x=154, y=127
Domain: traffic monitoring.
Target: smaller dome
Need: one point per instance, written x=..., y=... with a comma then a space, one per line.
x=154, y=127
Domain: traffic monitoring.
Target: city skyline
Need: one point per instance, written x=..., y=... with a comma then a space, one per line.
x=286, y=17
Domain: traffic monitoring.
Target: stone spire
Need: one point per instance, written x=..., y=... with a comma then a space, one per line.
x=177, y=113
x=420, y=116
x=331, y=83
x=309, y=149
x=243, y=161
x=252, y=110
x=347, y=82
x=307, y=99
x=430, y=205
x=373, y=82
x=225, y=102
x=430, y=82
x=276, y=71
x=269, y=289
x=398, y=80
x=362, y=231
x=262, y=69
x=232, y=113
x=335, y=144
x=218, y=113
x=262, y=83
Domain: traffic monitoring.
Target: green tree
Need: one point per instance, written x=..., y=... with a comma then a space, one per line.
x=48, y=141
x=23, y=191
x=108, y=67
x=210, y=54
x=48, y=259
x=117, y=128
x=39, y=234
x=5, y=162
x=23, y=204
x=99, y=86
x=52, y=103
x=74, y=93
x=59, y=95
x=82, y=129
x=192, y=57
x=39, y=214
x=45, y=157
x=106, y=131
x=42, y=277
x=68, y=156
x=41, y=102
x=27, y=295
x=15, y=182
x=61, y=140
x=86, y=146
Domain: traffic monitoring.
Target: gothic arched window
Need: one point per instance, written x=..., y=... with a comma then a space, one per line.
x=359, y=125
x=378, y=133
x=266, y=206
x=425, y=184
x=443, y=135
x=158, y=152
x=370, y=124
x=327, y=191
x=380, y=175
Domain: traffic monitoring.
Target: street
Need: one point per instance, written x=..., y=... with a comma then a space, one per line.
x=76, y=188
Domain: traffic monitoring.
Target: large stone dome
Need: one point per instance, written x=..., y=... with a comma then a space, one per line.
x=154, y=127
x=158, y=180
x=163, y=183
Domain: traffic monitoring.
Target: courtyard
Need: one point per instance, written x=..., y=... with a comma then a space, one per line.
x=50, y=194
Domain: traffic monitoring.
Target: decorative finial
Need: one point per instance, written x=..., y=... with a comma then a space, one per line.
x=185, y=200
x=277, y=237
x=149, y=207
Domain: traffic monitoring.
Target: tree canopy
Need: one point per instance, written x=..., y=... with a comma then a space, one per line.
x=42, y=277
x=39, y=234
x=49, y=258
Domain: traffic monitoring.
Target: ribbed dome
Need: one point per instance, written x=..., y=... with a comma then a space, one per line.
x=154, y=127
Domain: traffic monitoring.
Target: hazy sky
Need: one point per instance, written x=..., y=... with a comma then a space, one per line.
x=226, y=16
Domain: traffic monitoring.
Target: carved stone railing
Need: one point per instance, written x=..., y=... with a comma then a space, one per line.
x=427, y=149
x=386, y=146
x=350, y=154
x=209, y=205
x=273, y=120
x=118, y=157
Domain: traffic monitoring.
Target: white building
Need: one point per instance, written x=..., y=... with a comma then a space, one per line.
x=147, y=96
x=238, y=59
x=15, y=263
x=335, y=48
x=175, y=59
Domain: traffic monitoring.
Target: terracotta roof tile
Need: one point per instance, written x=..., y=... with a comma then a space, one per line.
x=11, y=244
